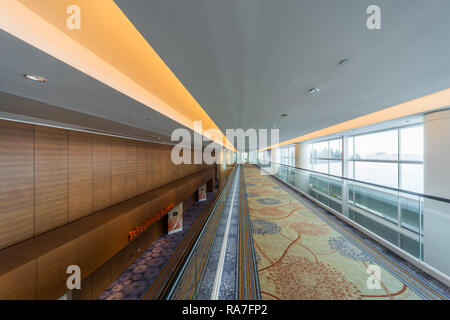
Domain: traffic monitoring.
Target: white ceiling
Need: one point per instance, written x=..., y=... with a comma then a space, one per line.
x=248, y=62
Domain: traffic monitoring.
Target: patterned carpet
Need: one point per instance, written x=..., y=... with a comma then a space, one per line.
x=301, y=255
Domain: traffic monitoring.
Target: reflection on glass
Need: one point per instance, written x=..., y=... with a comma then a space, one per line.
x=335, y=149
x=410, y=213
x=320, y=150
x=380, y=203
x=292, y=155
x=350, y=147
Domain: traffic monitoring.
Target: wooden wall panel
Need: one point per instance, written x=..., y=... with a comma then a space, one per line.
x=101, y=279
x=16, y=182
x=50, y=144
x=93, y=243
x=16, y=143
x=51, y=178
x=92, y=249
x=16, y=204
x=50, y=196
x=52, y=270
x=116, y=235
x=148, y=168
x=141, y=179
x=102, y=148
x=118, y=152
x=118, y=168
x=157, y=165
x=119, y=181
x=102, y=185
x=80, y=190
x=102, y=172
x=80, y=175
x=131, y=168
x=17, y=278
x=80, y=146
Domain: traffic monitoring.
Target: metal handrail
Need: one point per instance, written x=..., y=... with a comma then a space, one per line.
x=417, y=194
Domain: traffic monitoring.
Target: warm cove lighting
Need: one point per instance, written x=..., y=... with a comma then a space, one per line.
x=437, y=100
x=108, y=48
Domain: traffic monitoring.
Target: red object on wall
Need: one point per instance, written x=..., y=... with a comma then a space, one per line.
x=139, y=229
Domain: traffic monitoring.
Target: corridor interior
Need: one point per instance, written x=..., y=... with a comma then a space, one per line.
x=264, y=240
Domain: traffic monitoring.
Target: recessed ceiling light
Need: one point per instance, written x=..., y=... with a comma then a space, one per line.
x=35, y=77
x=284, y=115
x=344, y=61
x=313, y=90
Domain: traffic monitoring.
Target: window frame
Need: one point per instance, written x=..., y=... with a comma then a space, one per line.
x=329, y=158
x=398, y=161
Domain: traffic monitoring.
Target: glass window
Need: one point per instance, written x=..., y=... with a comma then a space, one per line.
x=411, y=143
x=320, y=150
x=411, y=177
x=386, y=160
x=351, y=165
x=385, y=174
x=284, y=156
x=292, y=155
x=335, y=149
x=350, y=148
x=320, y=165
x=335, y=167
x=377, y=146
x=326, y=157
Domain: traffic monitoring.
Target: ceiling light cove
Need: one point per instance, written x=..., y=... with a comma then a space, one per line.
x=106, y=46
x=437, y=100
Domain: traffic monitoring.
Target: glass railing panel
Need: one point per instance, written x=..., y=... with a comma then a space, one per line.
x=380, y=229
x=436, y=234
x=410, y=214
x=383, y=204
x=412, y=246
x=302, y=180
x=417, y=224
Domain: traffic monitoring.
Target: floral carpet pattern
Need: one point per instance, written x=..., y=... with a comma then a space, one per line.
x=301, y=256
